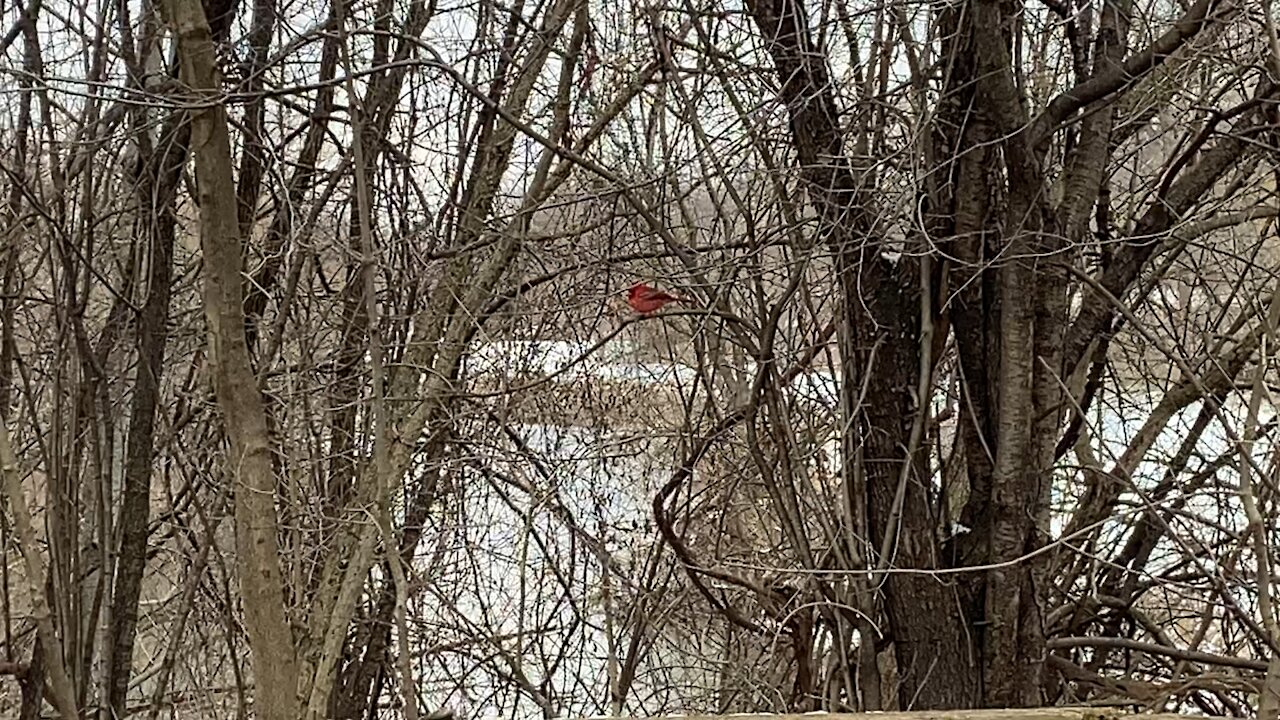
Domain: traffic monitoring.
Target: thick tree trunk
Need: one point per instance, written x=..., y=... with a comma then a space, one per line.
x=925, y=619
x=926, y=622
x=248, y=460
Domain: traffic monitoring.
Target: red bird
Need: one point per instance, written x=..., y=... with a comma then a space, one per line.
x=644, y=299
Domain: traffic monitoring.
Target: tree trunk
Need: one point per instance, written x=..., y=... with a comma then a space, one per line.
x=158, y=185
x=925, y=619
x=248, y=459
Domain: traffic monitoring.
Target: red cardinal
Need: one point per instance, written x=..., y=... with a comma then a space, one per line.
x=644, y=299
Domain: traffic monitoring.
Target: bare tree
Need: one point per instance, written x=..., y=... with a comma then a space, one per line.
x=324, y=400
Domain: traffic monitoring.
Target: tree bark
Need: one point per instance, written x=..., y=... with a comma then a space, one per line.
x=879, y=307
x=158, y=185
x=249, y=453
x=63, y=691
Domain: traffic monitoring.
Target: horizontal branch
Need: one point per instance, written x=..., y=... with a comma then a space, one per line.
x=1131, y=70
x=1195, y=656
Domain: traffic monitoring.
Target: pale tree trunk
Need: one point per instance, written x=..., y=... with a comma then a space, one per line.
x=64, y=694
x=248, y=459
x=1260, y=526
x=438, y=344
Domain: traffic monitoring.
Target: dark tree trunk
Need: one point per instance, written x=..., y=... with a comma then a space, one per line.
x=31, y=683
x=157, y=193
x=881, y=312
